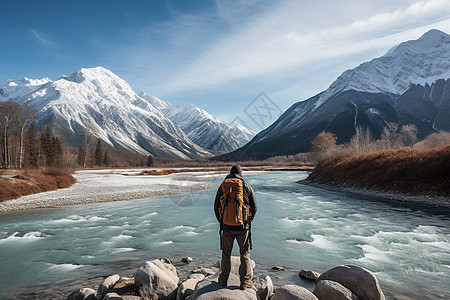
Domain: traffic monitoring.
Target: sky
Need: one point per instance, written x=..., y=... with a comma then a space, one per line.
x=229, y=57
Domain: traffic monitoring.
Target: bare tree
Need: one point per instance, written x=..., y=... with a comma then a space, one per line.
x=362, y=141
x=322, y=145
x=391, y=135
x=9, y=111
x=27, y=113
x=408, y=134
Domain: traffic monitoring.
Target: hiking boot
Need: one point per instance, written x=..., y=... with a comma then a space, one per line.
x=222, y=282
x=247, y=285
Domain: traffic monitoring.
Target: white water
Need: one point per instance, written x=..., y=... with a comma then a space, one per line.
x=297, y=226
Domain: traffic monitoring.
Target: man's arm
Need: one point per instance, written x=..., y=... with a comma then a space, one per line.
x=219, y=195
x=251, y=201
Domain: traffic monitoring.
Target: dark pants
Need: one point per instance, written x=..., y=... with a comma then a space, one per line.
x=242, y=237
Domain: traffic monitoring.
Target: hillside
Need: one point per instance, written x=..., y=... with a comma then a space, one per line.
x=407, y=170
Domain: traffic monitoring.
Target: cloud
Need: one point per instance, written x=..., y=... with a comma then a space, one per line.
x=259, y=41
x=42, y=39
x=272, y=44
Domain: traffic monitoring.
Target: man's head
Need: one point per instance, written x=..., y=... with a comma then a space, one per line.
x=236, y=169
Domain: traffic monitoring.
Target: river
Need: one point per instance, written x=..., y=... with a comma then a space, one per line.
x=47, y=253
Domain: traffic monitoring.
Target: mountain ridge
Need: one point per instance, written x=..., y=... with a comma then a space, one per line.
x=346, y=105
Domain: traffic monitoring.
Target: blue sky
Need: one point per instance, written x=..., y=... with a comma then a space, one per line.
x=218, y=55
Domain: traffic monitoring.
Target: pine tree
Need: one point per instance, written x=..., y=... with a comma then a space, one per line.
x=98, y=153
x=46, y=147
x=31, y=148
x=106, y=159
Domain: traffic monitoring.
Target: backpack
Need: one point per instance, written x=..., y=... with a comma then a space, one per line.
x=234, y=209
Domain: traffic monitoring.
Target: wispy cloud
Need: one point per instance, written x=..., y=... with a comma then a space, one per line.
x=41, y=38
x=266, y=40
x=47, y=44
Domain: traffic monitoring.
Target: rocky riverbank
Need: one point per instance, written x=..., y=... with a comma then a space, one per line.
x=108, y=185
x=159, y=279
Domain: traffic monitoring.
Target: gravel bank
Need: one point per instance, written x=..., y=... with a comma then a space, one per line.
x=438, y=201
x=115, y=185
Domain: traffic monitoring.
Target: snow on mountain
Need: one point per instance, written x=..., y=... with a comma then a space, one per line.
x=420, y=61
x=17, y=89
x=206, y=130
x=97, y=101
x=155, y=102
x=364, y=96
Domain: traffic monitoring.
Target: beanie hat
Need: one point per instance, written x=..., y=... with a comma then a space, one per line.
x=236, y=169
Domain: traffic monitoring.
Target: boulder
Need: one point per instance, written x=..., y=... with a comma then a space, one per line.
x=125, y=286
x=186, y=288
x=235, y=264
x=206, y=271
x=277, y=269
x=199, y=277
x=360, y=281
x=293, y=292
x=327, y=289
x=131, y=297
x=83, y=294
x=187, y=259
x=157, y=279
x=112, y=296
x=309, y=275
x=210, y=289
x=263, y=286
x=106, y=285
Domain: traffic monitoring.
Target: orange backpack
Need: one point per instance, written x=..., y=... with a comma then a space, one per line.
x=234, y=209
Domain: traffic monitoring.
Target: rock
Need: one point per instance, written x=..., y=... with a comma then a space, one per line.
x=83, y=294
x=309, y=275
x=112, y=296
x=206, y=271
x=210, y=289
x=106, y=285
x=157, y=279
x=125, y=286
x=327, y=289
x=277, y=269
x=263, y=286
x=199, y=277
x=131, y=297
x=187, y=259
x=166, y=260
x=360, y=281
x=186, y=288
x=293, y=292
x=235, y=264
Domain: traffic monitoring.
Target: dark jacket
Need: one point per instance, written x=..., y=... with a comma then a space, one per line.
x=248, y=194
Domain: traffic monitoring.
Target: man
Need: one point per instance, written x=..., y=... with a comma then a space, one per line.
x=238, y=213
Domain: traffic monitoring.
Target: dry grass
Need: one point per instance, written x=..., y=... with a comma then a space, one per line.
x=407, y=170
x=32, y=181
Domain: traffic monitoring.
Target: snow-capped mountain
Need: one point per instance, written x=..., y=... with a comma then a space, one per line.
x=370, y=95
x=206, y=130
x=102, y=104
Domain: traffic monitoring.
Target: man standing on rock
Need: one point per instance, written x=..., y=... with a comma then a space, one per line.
x=235, y=207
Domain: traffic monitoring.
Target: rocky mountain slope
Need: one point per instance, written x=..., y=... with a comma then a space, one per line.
x=97, y=102
x=102, y=104
x=393, y=88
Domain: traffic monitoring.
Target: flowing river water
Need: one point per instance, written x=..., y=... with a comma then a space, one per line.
x=46, y=253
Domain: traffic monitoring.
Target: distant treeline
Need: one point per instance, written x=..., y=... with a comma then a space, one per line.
x=324, y=146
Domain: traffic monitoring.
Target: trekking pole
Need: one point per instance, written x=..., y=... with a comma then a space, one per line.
x=220, y=234
x=250, y=234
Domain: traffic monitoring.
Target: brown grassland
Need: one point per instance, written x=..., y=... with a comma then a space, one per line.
x=406, y=170
x=17, y=183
